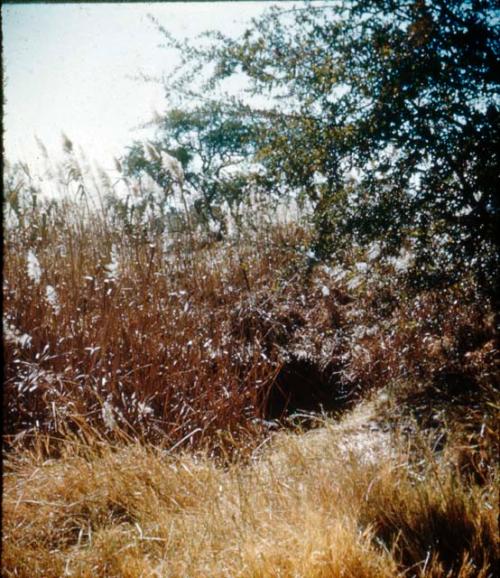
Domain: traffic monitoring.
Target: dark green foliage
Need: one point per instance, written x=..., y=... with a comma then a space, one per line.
x=383, y=113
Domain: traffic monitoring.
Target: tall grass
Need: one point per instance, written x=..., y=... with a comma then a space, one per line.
x=133, y=329
x=146, y=371
x=139, y=332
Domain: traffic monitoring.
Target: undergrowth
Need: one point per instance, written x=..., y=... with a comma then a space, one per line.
x=145, y=334
x=148, y=374
x=337, y=501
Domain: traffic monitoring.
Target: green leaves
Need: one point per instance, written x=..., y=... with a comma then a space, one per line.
x=384, y=113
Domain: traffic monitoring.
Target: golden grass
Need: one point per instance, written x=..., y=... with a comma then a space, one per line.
x=346, y=499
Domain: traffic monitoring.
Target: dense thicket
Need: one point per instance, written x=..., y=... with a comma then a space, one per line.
x=382, y=113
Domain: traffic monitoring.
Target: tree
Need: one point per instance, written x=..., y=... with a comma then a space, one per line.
x=214, y=147
x=384, y=113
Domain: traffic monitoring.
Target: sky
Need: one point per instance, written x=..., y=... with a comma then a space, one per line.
x=73, y=68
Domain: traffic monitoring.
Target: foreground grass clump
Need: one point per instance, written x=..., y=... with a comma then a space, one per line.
x=347, y=499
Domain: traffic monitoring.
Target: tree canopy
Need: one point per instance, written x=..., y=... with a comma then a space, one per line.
x=383, y=113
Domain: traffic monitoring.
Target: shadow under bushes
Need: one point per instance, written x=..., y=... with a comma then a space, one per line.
x=303, y=387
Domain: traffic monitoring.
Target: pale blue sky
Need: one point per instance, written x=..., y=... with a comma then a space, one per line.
x=69, y=69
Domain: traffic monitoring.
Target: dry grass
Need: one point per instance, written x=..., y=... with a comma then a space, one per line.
x=141, y=371
x=347, y=499
x=125, y=333
x=160, y=347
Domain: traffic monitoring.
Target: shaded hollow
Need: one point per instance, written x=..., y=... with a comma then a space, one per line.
x=302, y=386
